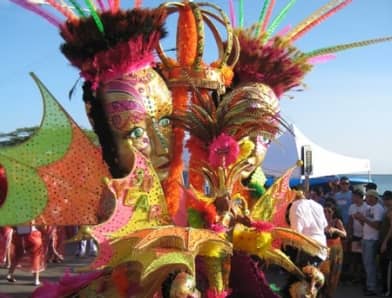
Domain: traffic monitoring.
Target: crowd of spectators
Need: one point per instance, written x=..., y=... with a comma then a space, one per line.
x=358, y=234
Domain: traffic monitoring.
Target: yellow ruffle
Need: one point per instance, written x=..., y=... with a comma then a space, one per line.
x=250, y=240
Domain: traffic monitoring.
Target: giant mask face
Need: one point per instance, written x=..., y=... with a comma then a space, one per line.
x=269, y=100
x=138, y=106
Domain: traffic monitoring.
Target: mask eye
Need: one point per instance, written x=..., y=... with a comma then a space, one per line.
x=265, y=140
x=164, y=121
x=136, y=133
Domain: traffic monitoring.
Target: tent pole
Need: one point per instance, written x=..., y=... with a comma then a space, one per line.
x=306, y=186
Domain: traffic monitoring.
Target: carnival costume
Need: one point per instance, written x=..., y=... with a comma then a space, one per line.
x=156, y=237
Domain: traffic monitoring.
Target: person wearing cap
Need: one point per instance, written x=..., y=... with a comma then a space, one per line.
x=343, y=199
x=370, y=185
x=386, y=245
x=371, y=221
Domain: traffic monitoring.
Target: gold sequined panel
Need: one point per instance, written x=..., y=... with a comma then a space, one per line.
x=74, y=201
x=143, y=193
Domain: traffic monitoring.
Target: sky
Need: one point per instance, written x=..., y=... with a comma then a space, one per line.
x=346, y=106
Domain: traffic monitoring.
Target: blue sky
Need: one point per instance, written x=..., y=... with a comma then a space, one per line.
x=346, y=107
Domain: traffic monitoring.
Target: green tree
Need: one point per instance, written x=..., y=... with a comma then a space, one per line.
x=22, y=134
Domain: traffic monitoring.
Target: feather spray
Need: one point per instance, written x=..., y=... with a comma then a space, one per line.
x=65, y=10
x=319, y=20
x=39, y=11
x=95, y=16
x=347, y=46
x=330, y=5
x=260, y=22
x=275, y=23
x=232, y=13
x=78, y=8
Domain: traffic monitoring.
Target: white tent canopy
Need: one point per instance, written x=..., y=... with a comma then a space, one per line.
x=287, y=149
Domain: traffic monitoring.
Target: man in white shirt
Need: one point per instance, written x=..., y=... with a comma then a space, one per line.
x=307, y=217
x=353, y=262
x=371, y=221
x=355, y=226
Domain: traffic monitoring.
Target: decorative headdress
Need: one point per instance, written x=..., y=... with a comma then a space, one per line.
x=221, y=130
x=105, y=42
x=273, y=59
x=190, y=69
x=188, y=73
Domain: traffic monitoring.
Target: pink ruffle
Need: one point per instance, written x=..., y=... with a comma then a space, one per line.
x=117, y=61
x=218, y=228
x=262, y=226
x=224, y=151
x=213, y=293
x=67, y=285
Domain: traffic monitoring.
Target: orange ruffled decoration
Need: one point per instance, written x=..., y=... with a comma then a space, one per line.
x=187, y=34
x=171, y=185
x=227, y=73
x=197, y=153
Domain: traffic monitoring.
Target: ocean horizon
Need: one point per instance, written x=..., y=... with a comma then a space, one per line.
x=383, y=181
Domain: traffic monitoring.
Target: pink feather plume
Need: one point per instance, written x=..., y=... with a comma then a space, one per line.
x=36, y=9
x=232, y=14
x=101, y=5
x=321, y=58
x=284, y=31
x=267, y=16
x=111, y=4
x=62, y=9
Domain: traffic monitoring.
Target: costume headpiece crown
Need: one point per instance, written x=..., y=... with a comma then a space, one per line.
x=273, y=59
x=105, y=42
x=189, y=69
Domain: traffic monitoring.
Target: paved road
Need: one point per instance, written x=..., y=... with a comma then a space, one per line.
x=24, y=287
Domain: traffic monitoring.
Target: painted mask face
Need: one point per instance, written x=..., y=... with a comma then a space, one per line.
x=184, y=286
x=267, y=98
x=138, y=107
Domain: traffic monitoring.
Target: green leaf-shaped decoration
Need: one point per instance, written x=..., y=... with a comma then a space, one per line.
x=27, y=195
